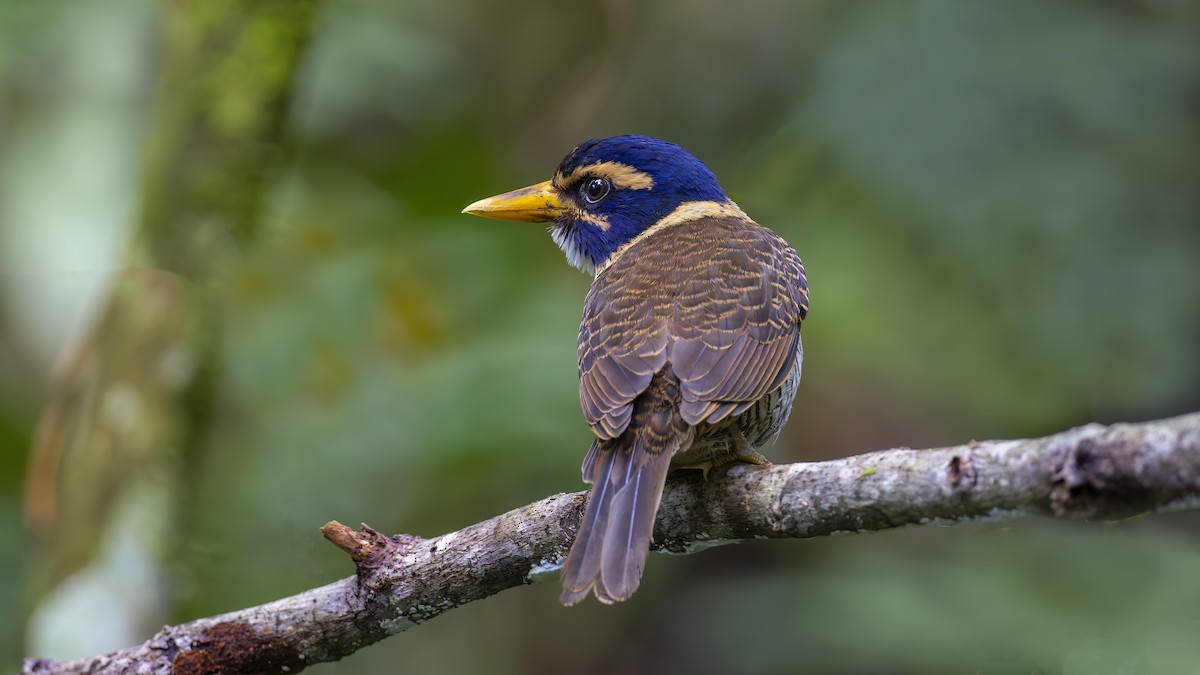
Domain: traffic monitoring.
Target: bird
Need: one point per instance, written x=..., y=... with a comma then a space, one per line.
x=689, y=349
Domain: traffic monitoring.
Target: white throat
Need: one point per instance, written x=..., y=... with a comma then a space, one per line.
x=564, y=237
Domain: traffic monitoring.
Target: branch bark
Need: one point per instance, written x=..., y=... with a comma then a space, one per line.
x=1092, y=472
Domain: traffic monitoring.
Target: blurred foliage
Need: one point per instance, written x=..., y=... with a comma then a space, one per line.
x=996, y=203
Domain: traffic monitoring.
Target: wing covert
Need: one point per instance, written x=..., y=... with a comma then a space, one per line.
x=721, y=299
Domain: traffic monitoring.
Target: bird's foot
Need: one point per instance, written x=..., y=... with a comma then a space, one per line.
x=742, y=451
x=750, y=456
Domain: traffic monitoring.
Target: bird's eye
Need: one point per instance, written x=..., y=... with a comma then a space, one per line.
x=594, y=189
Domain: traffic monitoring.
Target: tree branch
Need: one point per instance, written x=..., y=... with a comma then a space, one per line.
x=1093, y=472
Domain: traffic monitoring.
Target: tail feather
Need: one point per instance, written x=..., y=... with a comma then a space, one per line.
x=614, y=536
x=627, y=474
x=630, y=527
x=582, y=567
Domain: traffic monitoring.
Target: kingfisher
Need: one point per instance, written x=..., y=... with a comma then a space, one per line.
x=689, y=347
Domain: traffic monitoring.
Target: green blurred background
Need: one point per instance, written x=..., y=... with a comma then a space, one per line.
x=236, y=288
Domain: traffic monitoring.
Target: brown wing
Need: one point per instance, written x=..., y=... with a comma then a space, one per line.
x=721, y=299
